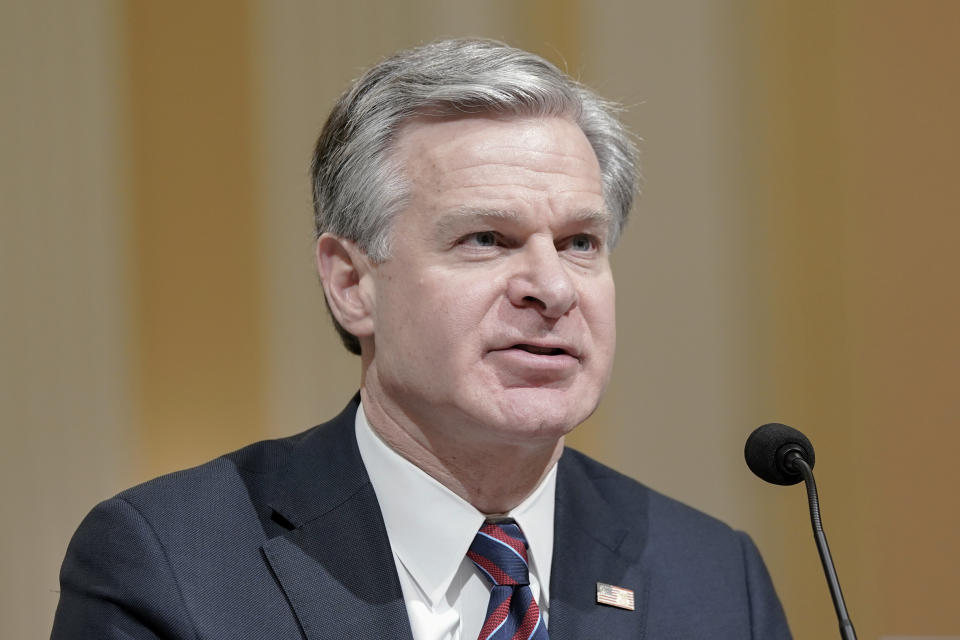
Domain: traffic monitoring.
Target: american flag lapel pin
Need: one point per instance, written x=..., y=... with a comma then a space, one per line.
x=614, y=596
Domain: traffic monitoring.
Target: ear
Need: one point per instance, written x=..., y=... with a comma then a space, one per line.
x=345, y=272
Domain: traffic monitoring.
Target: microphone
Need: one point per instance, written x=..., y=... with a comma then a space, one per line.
x=771, y=452
x=782, y=455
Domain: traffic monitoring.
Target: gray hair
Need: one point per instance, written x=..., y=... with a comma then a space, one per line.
x=357, y=185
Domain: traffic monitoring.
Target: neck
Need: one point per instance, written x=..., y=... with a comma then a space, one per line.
x=492, y=477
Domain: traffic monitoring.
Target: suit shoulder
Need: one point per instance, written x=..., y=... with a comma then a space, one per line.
x=636, y=501
x=190, y=541
x=251, y=469
x=256, y=458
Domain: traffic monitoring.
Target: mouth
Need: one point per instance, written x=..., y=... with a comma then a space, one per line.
x=543, y=350
x=541, y=364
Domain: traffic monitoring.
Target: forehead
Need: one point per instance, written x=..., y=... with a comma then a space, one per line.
x=478, y=155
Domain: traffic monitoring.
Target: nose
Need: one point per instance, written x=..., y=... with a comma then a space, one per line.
x=542, y=281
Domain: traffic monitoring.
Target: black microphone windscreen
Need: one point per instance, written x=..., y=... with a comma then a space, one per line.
x=765, y=449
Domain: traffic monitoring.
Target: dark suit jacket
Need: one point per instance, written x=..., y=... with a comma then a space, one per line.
x=284, y=539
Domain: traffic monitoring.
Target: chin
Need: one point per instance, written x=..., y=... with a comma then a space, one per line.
x=544, y=413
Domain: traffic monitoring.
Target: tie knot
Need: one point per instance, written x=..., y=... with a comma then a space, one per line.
x=500, y=552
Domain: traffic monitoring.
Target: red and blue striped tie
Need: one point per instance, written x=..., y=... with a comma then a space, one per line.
x=500, y=552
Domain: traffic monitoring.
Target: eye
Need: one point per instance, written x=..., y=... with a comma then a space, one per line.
x=583, y=243
x=481, y=239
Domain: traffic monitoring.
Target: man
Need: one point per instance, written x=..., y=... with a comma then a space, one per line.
x=467, y=198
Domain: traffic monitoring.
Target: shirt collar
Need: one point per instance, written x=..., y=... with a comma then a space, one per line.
x=432, y=541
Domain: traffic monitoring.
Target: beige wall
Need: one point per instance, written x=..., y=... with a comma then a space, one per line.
x=855, y=108
x=194, y=219
x=791, y=259
x=66, y=366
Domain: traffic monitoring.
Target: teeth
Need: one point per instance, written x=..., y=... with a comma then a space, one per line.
x=543, y=351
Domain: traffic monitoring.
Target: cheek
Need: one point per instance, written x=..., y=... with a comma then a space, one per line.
x=601, y=316
x=460, y=317
x=434, y=319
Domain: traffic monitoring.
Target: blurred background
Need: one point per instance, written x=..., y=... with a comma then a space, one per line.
x=793, y=258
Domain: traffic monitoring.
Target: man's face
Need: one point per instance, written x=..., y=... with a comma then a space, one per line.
x=493, y=318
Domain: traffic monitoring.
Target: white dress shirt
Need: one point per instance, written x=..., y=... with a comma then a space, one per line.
x=430, y=530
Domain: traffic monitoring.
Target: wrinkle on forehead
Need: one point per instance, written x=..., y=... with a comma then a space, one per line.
x=446, y=146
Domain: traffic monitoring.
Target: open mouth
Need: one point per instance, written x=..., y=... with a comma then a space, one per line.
x=540, y=351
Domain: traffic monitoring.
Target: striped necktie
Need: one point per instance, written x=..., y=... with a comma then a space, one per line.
x=500, y=552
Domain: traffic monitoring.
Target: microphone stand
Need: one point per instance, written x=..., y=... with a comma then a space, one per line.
x=795, y=459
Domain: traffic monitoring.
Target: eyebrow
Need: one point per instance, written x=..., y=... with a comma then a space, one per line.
x=453, y=219
x=601, y=216
x=462, y=214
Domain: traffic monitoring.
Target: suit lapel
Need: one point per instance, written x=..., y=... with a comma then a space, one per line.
x=339, y=575
x=592, y=544
x=335, y=565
